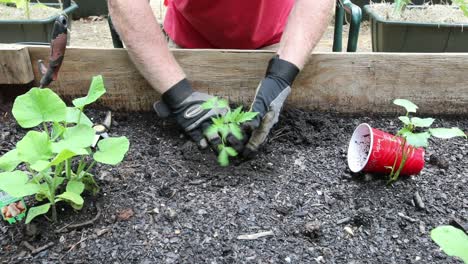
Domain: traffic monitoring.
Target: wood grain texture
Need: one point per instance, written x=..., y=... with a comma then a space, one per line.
x=339, y=82
x=15, y=65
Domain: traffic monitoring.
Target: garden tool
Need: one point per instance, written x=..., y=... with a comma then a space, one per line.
x=57, y=51
x=101, y=129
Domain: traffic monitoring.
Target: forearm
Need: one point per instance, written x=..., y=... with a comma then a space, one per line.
x=306, y=24
x=145, y=42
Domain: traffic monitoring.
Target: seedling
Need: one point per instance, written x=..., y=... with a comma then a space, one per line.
x=47, y=154
x=453, y=241
x=411, y=139
x=23, y=4
x=400, y=5
x=230, y=123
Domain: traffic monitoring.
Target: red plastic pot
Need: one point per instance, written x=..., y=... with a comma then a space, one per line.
x=374, y=151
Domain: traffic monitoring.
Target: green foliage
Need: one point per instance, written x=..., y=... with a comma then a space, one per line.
x=453, y=241
x=463, y=5
x=223, y=125
x=48, y=154
x=412, y=139
x=400, y=5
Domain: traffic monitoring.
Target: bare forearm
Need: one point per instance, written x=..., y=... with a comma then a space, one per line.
x=307, y=22
x=145, y=42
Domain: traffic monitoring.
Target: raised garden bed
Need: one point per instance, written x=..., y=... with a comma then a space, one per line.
x=34, y=30
x=393, y=35
x=187, y=209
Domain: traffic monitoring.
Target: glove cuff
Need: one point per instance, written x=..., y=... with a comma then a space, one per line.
x=282, y=69
x=177, y=94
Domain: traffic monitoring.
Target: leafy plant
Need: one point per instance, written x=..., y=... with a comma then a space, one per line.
x=230, y=123
x=400, y=5
x=453, y=241
x=48, y=154
x=411, y=139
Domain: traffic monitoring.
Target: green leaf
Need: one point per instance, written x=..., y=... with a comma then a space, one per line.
x=422, y=122
x=72, y=117
x=246, y=116
x=236, y=113
x=9, y=161
x=218, y=121
x=405, y=120
x=40, y=165
x=418, y=139
x=43, y=192
x=236, y=131
x=111, y=150
x=58, y=181
x=453, y=241
x=408, y=105
x=16, y=184
x=75, y=187
x=404, y=132
x=90, y=183
x=230, y=151
x=211, y=130
x=96, y=90
x=447, y=132
x=221, y=103
x=37, y=211
x=71, y=197
x=75, y=139
x=223, y=157
x=210, y=103
x=224, y=130
x=57, y=130
x=34, y=146
x=38, y=106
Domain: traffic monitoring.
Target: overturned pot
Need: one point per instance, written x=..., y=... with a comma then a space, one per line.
x=374, y=151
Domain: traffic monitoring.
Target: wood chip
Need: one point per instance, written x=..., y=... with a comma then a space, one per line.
x=412, y=220
x=125, y=214
x=349, y=230
x=255, y=236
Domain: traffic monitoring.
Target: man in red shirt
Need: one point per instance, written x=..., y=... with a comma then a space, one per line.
x=235, y=24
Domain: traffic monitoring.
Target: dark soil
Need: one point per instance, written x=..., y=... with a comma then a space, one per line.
x=170, y=203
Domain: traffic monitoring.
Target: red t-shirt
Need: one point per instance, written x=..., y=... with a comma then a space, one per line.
x=228, y=24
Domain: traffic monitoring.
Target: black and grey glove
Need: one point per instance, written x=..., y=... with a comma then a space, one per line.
x=269, y=99
x=184, y=105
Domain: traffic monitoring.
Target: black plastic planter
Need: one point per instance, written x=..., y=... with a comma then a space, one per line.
x=34, y=30
x=398, y=36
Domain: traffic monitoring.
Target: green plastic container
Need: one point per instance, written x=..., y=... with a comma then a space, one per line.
x=31, y=31
x=397, y=36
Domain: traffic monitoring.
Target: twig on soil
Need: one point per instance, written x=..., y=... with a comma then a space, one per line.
x=83, y=224
x=343, y=221
x=255, y=236
x=34, y=250
x=418, y=201
x=412, y=220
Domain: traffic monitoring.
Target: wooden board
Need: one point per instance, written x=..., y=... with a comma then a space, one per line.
x=15, y=65
x=341, y=82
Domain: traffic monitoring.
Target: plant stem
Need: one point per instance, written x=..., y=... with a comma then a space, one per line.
x=68, y=169
x=394, y=175
x=90, y=166
x=54, y=212
x=79, y=115
x=28, y=15
x=81, y=166
x=44, y=125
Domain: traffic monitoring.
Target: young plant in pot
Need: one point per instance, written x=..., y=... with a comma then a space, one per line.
x=42, y=162
x=374, y=151
x=400, y=27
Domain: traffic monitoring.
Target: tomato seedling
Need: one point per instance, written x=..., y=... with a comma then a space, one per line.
x=412, y=139
x=223, y=125
x=47, y=155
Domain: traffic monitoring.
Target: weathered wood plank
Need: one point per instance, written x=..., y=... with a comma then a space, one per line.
x=15, y=65
x=342, y=82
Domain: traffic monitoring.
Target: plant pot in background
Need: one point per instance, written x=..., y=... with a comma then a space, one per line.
x=399, y=36
x=374, y=151
x=31, y=31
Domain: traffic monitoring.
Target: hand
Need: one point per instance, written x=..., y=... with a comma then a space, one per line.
x=184, y=105
x=269, y=99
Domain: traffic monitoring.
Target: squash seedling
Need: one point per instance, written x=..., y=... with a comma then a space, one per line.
x=230, y=123
x=412, y=139
x=23, y=4
x=47, y=155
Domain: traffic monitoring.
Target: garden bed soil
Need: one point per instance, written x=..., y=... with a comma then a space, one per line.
x=36, y=12
x=168, y=202
x=441, y=14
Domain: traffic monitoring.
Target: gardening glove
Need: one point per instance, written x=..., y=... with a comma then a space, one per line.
x=269, y=99
x=184, y=105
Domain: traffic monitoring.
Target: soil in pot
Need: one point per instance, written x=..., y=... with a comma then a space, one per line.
x=187, y=209
x=36, y=12
x=442, y=14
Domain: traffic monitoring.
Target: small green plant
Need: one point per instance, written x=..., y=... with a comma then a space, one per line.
x=411, y=139
x=25, y=5
x=223, y=125
x=453, y=241
x=400, y=5
x=48, y=154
